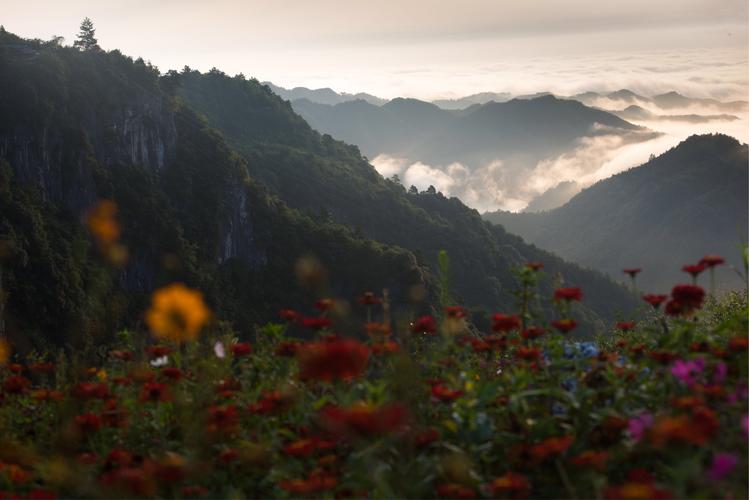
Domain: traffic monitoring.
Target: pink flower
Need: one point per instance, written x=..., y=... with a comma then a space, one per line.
x=723, y=464
x=686, y=371
x=639, y=424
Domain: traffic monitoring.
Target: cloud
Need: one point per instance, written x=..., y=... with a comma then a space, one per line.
x=511, y=184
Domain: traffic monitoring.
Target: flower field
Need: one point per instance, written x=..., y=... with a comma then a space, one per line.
x=422, y=408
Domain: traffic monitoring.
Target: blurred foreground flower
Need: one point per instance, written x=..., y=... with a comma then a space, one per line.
x=177, y=313
x=339, y=359
x=5, y=352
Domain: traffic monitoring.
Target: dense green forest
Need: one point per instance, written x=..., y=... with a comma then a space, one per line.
x=84, y=125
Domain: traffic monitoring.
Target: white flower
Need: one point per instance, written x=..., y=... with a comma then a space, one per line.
x=160, y=361
x=218, y=348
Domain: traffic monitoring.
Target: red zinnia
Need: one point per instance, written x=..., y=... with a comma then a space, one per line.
x=455, y=312
x=287, y=348
x=689, y=295
x=324, y=304
x=364, y=420
x=568, y=294
x=445, y=394
x=15, y=384
x=338, y=359
x=157, y=351
x=288, y=314
x=694, y=269
x=632, y=271
x=712, y=260
x=154, y=391
x=654, y=300
x=534, y=266
x=505, y=323
x=88, y=422
x=625, y=326
x=369, y=299
x=550, y=447
x=564, y=325
x=222, y=418
x=241, y=349
x=532, y=332
x=512, y=485
x=316, y=323
x=424, y=324
x=91, y=390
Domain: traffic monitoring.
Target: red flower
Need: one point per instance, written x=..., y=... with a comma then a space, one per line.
x=369, y=299
x=455, y=312
x=301, y=447
x=454, y=490
x=688, y=295
x=271, y=402
x=313, y=483
x=564, y=325
x=550, y=447
x=424, y=324
x=339, y=359
x=88, y=422
x=696, y=429
x=663, y=357
x=712, y=260
x=194, y=491
x=154, y=391
x=445, y=394
x=694, y=269
x=528, y=353
x=223, y=418
x=324, y=304
x=505, y=323
x=568, y=294
x=738, y=344
x=91, y=390
x=15, y=384
x=42, y=367
x=158, y=351
x=364, y=420
x=171, y=372
x=591, y=458
x=241, y=349
x=625, y=326
x=381, y=348
x=289, y=315
x=426, y=437
x=287, y=348
x=512, y=485
x=654, y=300
x=632, y=271
x=316, y=323
x=534, y=266
x=377, y=330
x=533, y=332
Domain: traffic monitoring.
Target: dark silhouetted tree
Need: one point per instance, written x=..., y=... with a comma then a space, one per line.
x=431, y=190
x=86, y=39
x=413, y=190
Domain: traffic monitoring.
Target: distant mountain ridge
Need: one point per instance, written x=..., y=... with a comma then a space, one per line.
x=687, y=202
x=531, y=129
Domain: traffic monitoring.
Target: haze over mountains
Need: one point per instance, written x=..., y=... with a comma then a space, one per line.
x=686, y=203
x=479, y=149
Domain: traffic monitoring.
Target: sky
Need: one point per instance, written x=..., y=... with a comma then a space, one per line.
x=424, y=48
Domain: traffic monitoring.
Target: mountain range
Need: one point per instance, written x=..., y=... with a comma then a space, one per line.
x=520, y=131
x=221, y=185
x=671, y=211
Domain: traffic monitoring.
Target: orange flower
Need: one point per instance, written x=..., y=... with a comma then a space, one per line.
x=511, y=485
x=697, y=428
x=177, y=313
x=5, y=352
x=101, y=220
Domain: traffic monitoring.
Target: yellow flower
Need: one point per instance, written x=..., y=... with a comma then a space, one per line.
x=4, y=351
x=177, y=313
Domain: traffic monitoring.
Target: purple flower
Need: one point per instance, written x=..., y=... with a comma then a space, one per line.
x=723, y=464
x=719, y=373
x=639, y=424
x=686, y=371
